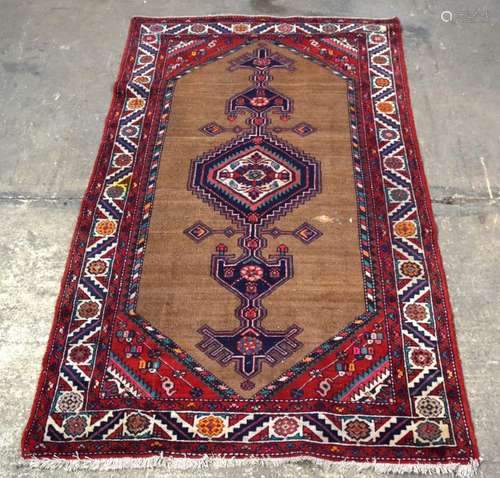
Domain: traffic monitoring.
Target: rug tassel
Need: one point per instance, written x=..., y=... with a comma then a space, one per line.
x=458, y=470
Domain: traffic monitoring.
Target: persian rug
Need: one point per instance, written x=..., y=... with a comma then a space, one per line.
x=255, y=275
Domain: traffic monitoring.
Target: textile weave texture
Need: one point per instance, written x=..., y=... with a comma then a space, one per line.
x=255, y=274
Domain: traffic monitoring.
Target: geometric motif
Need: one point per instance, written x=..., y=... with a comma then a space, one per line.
x=255, y=183
x=198, y=231
x=254, y=179
x=307, y=233
x=212, y=129
x=303, y=129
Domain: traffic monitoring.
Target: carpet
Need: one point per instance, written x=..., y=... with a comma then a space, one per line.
x=254, y=275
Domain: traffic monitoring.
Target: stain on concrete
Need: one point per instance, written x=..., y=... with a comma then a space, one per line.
x=415, y=34
x=268, y=7
x=21, y=67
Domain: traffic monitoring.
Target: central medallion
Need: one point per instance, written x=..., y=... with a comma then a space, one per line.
x=255, y=176
x=254, y=179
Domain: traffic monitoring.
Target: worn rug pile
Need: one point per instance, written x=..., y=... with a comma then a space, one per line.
x=254, y=276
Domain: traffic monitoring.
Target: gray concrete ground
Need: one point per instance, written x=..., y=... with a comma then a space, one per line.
x=58, y=61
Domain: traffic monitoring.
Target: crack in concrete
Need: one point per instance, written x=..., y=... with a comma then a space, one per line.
x=37, y=198
x=456, y=200
x=453, y=200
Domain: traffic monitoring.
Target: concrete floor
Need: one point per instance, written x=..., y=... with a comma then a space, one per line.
x=58, y=61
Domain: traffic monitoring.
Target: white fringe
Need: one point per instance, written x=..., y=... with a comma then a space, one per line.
x=219, y=461
x=260, y=15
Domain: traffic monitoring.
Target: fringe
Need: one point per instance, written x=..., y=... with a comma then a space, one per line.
x=262, y=15
x=458, y=470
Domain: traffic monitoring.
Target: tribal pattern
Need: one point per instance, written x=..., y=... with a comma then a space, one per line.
x=254, y=179
x=388, y=387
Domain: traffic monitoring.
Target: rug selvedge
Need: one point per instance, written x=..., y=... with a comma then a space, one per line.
x=424, y=419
